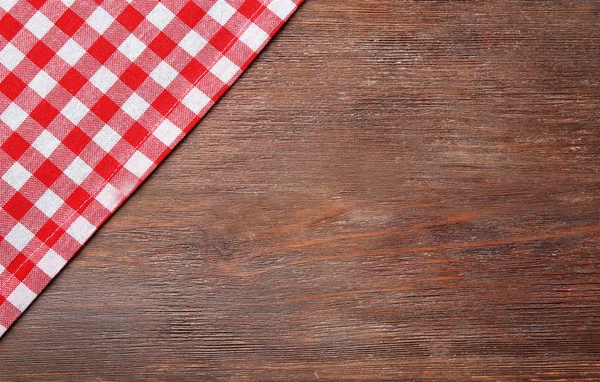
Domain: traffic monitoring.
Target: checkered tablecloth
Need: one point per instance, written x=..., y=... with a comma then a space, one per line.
x=93, y=95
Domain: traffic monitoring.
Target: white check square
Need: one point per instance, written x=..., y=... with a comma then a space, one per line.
x=7, y=5
x=103, y=79
x=106, y=138
x=39, y=25
x=19, y=236
x=13, y=116
x=254, y=37
x=138, y=164
x=160, y=16
x=16, y=176
x=74, y=111
x=192, y=43
x=21, y=297
x=109, y=197
x=225, y=69
x=81, y=230
x=49, y=203
x=135, y=106
x=195, y=100
x=51, y=263
x=167, y=132
x=132, y=47
x=282, y=8
x=78, y=170
x=71, y=52
x=10, y=56
x=163, y=74
x=221, y=11
x=100, y=20
x=42, y=84
x=46, y=143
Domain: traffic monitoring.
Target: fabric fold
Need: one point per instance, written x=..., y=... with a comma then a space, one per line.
x=93, y=96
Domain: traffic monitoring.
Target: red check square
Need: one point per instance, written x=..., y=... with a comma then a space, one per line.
x=44, y=113
x=105, y=108
x=15, y=146
x=191, y=14
x=48, y=173
x=40, y=54
x=18, y=206
x=130, y=18
x=133, y=76
x=102, y=49
x=12, y=86
x=162, y=45
x=50, y=233
x=9, y=27
x=76, y=140
x=69, y=22
x=73, y=81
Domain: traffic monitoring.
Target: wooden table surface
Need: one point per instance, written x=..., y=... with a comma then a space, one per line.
x=414, y=194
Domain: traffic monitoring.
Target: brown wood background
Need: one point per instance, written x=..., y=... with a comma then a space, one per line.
x=394, y=190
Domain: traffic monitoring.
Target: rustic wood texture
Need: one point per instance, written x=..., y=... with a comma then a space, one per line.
x=414, y=194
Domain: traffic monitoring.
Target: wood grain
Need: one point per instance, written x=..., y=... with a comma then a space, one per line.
x=395, y=190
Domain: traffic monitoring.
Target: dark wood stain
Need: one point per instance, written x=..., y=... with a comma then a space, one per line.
x=395, y=190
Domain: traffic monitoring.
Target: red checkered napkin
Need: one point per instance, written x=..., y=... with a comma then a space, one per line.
x=93, y=95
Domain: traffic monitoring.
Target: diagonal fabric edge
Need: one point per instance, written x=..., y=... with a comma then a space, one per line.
x=44, y=228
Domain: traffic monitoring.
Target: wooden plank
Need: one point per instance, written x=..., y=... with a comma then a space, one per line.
x=413, y=195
